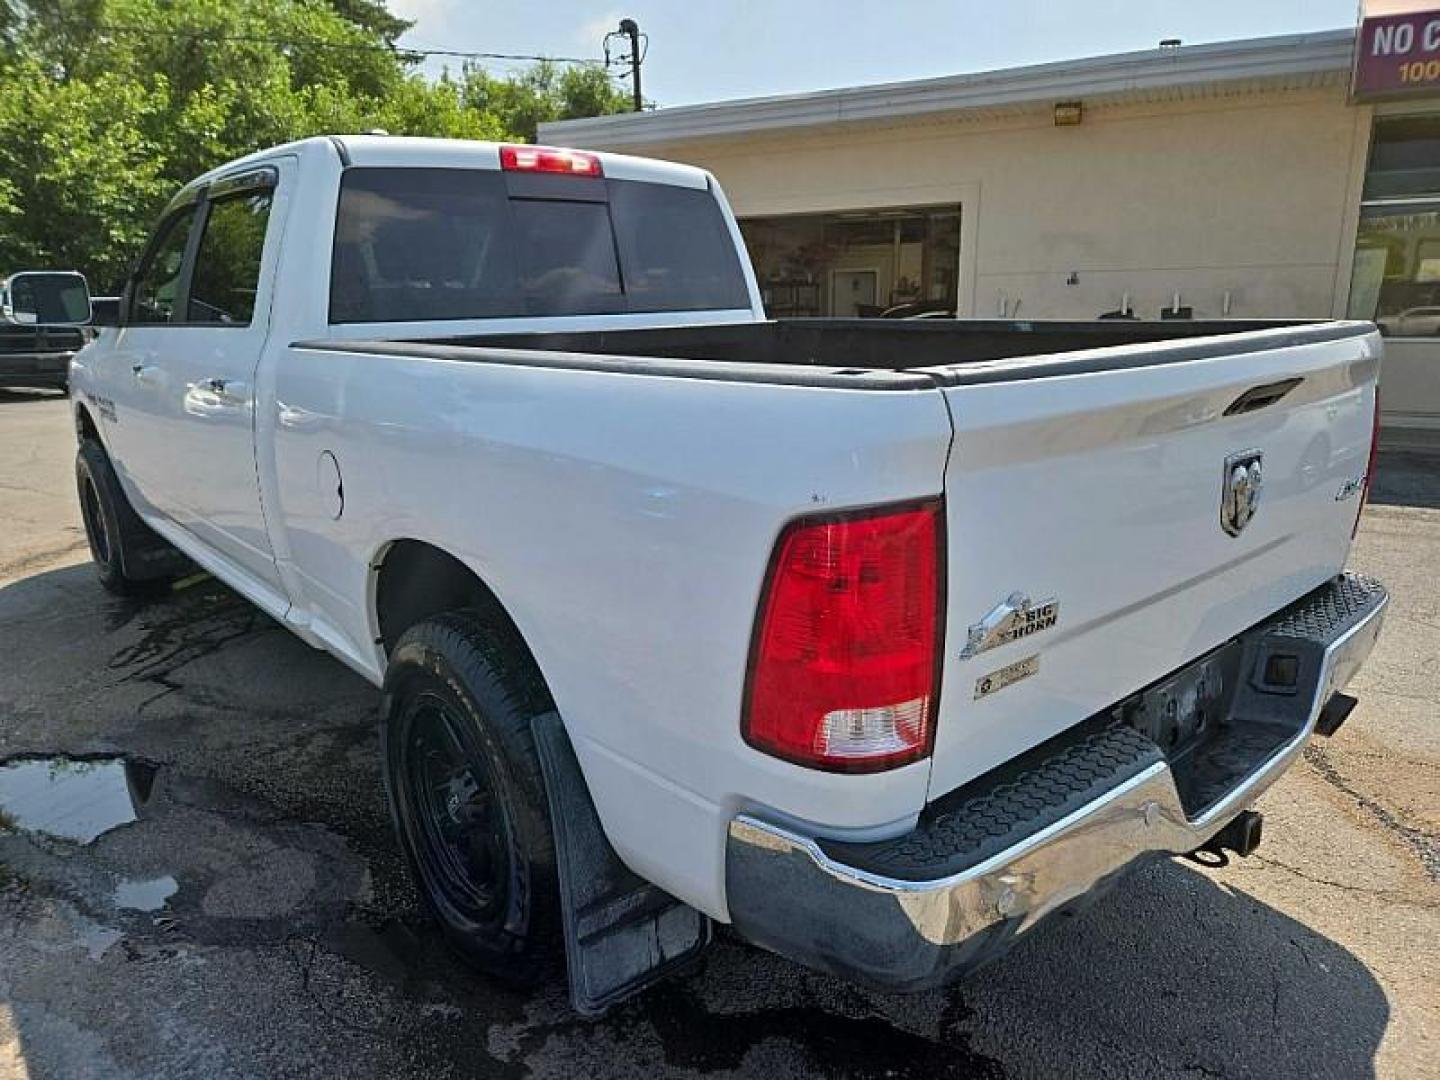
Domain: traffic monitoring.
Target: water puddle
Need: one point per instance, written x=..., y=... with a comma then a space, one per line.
x=145, y=895
x=72, y=799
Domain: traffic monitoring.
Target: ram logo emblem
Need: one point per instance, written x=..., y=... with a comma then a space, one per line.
x=1240, y=495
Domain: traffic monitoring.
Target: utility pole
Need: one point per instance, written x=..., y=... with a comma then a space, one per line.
x=631, y=29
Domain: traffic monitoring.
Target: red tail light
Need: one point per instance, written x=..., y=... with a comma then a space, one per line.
x=845, y=663
x=549, y=159
x=1369, y=466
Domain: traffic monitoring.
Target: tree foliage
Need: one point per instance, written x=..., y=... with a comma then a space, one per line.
x=545, y=92
x=110, y=105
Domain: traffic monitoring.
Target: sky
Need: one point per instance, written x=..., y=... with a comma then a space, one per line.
x=713, y=51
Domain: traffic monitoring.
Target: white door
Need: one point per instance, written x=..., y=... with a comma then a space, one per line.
x=850, y=289
x=190, y=438
x=137, y=370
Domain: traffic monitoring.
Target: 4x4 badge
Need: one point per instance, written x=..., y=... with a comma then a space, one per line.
x=1010, y=620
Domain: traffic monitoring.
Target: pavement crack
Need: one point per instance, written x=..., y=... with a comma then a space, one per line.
x=1304, y=952
x=1362, y=890
x=167, y=687
x=1425, y=846
x=308, y=962
x=321, y=1001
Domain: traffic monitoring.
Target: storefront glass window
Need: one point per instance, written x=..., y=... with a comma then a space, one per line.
x=1395, y=279
x=1404, y=158
x=870, y=263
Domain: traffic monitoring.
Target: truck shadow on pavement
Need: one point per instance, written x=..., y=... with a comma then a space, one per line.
x=257, y=889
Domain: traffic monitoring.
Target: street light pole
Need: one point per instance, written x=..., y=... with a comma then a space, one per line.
x=631, y=29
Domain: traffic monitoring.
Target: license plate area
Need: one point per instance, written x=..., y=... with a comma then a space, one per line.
x=1183, y=710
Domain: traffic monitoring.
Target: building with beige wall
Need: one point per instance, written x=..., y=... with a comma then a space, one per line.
x=1210, y=181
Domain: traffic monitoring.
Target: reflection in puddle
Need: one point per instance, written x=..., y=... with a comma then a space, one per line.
x=71, y=799
x=145, y=895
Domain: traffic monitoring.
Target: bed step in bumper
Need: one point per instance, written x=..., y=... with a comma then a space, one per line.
x=992, y=859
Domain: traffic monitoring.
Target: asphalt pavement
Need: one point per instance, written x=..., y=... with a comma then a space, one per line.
x=197, y=875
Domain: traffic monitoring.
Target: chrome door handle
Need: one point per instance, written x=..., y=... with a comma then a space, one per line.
x=230, y=390
x=145, y=373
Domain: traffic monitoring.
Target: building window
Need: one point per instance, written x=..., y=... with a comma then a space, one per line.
x=895, y=263
x=1395, y=279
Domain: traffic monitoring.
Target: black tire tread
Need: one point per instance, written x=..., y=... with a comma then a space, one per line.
x=140, y=557
x=493, y=673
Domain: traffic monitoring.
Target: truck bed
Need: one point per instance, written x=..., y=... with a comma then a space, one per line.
x=873, y=354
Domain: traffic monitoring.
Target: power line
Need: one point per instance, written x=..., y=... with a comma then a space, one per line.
x=311, y=43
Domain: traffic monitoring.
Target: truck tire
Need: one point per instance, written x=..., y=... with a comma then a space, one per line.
x=129, y=556
x=467, y=795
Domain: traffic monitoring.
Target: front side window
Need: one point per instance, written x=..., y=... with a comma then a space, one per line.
x=227, y=266
x=158, y=285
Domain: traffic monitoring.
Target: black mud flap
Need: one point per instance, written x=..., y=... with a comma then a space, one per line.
x=622, y=934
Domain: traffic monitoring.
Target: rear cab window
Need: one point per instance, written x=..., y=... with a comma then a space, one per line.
x=418, y=244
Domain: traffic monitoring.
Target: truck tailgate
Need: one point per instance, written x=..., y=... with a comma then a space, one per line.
x=1085, y=517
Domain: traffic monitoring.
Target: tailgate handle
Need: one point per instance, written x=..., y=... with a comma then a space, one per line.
x=1258, y=397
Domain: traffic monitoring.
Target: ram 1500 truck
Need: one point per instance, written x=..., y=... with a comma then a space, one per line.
x=879, y=640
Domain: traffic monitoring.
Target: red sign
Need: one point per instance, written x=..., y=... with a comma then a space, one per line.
x=1397, y=56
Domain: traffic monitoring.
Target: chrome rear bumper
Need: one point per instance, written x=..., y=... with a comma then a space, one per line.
x=842, y=908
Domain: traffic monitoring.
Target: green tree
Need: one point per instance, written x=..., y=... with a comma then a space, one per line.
x=79, y=179
x=545, y=92
x=111, y=105
x=372, y=16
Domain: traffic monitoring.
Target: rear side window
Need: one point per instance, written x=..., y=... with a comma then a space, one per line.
x=426, y=244
x=227, y=266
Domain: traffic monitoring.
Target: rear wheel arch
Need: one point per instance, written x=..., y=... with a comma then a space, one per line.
x=413, y=580
x=435, y=618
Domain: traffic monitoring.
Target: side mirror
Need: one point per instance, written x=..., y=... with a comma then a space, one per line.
x=105, y=311
x=45, y=298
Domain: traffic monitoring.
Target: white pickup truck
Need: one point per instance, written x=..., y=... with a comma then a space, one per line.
x=878, y=640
